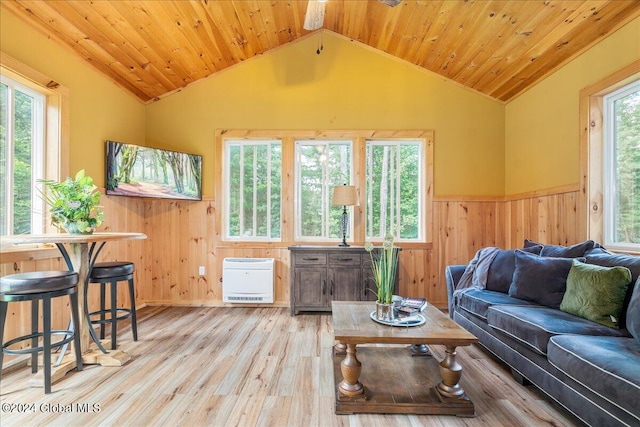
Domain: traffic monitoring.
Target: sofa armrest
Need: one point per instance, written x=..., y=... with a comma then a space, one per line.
x=453, y=273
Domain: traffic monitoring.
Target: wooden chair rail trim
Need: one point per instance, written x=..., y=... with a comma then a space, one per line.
x=569, y=188
x=284, y=245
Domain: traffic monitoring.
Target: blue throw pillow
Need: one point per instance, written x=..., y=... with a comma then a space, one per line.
x=633, y=312
x=500, y=274
x=559, y=251
x=539, y=279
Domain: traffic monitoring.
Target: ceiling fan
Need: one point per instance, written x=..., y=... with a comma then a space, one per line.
x=314, y=17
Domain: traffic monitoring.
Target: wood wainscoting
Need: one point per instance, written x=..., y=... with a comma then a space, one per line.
x=182, y=236
x=556, y=216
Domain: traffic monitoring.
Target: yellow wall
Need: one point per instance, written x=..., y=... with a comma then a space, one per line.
x=347, y=86
x=542, y=132
x=99, y=109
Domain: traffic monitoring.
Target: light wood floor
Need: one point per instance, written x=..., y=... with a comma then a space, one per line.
x=245, y=367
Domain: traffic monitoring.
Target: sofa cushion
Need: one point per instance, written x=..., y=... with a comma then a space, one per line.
x=539, y=279
x=609, y=366
x=534, y=326
x=502, y=268
x=633, y=312
x=478, y=301
x=559, y=251
x=596, y=293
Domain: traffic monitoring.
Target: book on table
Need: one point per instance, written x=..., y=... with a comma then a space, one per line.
x=411, y=306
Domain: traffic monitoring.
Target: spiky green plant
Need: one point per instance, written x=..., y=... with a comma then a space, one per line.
x=384, y=263
x=74, y=203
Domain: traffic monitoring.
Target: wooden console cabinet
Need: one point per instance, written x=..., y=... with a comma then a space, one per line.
x=321, y=274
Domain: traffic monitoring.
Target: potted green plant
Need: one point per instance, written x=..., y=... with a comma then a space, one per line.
x=74, y=204
x=384, y=263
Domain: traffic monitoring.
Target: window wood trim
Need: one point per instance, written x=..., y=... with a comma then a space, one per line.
x=592, y=145
x=57, y=117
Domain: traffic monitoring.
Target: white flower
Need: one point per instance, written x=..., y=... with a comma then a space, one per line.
x=388, y=243
x=73, y=205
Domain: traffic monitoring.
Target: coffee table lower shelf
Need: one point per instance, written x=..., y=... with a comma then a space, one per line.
x=397, y=383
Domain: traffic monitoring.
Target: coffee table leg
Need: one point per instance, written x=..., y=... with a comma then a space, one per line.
x=451, y=371
x=340, y=348
x=350, y=368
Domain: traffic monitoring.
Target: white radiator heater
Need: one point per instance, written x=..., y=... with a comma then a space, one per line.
x=248, y=280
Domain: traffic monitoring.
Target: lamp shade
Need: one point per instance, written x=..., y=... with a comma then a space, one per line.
x=344, y=195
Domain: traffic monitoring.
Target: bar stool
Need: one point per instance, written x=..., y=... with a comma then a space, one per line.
x=114, y=272
x=36, y=286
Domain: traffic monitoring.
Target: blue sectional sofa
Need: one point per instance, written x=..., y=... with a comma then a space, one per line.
x=563, y=319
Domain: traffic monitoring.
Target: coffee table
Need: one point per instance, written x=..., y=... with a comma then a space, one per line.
x=387, y=379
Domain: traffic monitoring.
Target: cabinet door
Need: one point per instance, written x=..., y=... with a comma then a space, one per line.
x=345, y=284
x=311, y=287
x=370, y=289
x=369, y=284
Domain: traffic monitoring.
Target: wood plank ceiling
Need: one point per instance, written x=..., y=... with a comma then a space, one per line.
x=499, y=48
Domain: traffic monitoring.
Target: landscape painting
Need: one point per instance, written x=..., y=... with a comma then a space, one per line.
x=134, y=170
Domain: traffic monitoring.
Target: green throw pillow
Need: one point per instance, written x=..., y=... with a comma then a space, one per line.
x=596, y=293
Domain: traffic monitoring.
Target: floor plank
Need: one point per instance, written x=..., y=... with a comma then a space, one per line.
x=203, y=366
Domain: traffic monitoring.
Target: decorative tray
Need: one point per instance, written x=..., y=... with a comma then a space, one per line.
x=415, y=320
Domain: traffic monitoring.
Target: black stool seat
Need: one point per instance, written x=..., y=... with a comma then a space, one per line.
x=37, y=282
x=36, y=286
x=106, y=270
x=111, y=273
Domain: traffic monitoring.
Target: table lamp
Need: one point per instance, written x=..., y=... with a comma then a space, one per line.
x=344, y=195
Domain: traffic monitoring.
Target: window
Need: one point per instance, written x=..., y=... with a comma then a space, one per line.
x=320, y=166
x=610, y=162
x=34, y=135
x=394, y=184
x=21, y=157
x=277, y=185
x=621, y=131
x=253, y=177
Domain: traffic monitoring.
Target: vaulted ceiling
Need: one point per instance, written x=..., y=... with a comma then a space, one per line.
x=156, y=47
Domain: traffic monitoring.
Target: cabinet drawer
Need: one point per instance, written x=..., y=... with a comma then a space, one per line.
x=309, y=259
x=344, y=259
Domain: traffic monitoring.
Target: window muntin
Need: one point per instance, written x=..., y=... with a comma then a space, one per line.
x=621, y=180
x=22, y=131
x=395, y=170
x=320, y=166
x=253, y=183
